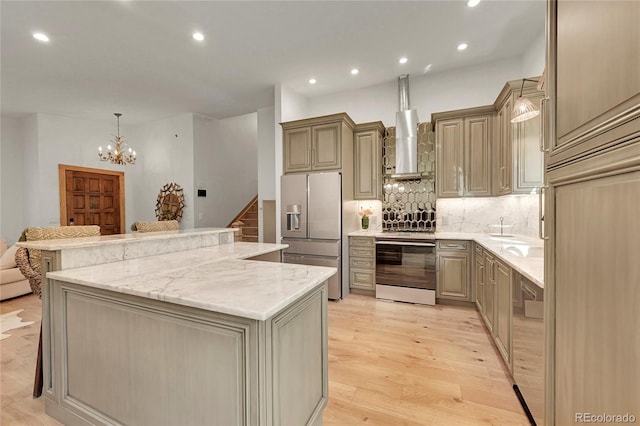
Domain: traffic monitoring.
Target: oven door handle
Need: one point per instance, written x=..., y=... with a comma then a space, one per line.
x=404, y=243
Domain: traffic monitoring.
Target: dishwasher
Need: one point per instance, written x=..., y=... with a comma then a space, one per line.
x=528, y=347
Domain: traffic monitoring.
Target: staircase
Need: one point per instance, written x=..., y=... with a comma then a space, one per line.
x=247, y=222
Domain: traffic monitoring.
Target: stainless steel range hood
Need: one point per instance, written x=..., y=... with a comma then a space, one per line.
x=406, y=134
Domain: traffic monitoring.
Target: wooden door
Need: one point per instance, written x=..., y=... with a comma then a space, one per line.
x=93, y=198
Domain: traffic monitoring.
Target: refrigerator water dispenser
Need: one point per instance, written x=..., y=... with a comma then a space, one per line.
x=293, y=217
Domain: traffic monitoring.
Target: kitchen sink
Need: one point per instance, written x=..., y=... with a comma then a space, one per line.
x=524, y=250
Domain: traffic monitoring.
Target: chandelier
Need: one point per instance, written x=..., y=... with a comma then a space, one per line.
x=117, y=154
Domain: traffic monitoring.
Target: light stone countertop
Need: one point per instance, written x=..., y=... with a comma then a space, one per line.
x=212, y=278
x=106, y=240
x=524, y=254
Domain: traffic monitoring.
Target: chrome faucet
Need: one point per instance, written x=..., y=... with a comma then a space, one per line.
x=501, y=226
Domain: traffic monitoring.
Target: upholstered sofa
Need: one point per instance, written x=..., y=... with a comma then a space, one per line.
x=12, y=282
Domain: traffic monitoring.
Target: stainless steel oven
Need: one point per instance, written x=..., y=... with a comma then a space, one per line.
x=406, y=270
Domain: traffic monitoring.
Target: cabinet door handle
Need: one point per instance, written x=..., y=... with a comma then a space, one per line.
x=543, y=113
x=541, y=213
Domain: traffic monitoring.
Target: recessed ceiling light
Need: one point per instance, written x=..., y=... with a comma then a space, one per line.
x=403, y=60
x=355, y=71
x=473, y=3
x=462, y=46
x=312, y=81
x=198, y=36
x=427, y=68
x=40, y=37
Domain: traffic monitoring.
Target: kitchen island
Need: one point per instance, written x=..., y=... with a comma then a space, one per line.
x=196, y=336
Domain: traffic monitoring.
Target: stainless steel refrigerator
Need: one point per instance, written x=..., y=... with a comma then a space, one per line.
x=311, y=217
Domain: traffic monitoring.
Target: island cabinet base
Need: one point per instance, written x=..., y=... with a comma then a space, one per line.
x=113, y=358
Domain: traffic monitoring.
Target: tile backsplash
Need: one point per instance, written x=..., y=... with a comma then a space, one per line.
x=476, y=214
x=410, y=204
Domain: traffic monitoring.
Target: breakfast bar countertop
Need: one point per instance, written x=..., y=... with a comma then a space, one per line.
x=522, y=253
x=118, y=239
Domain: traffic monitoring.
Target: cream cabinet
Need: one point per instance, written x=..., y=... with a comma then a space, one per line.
x=367, y=161
x=593, y=177
x=463, y=152
x=502, y=318
x=528, y=159
x=493, y=283
x=362, y=264
x=297, y=150
x=478, y=277
x=594, y=76
x=317, y=144
x=454, y=270
x=518, y=159
x=488, y=314
x=503, y=158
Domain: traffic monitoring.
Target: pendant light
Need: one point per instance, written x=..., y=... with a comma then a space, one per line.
x=523, y=108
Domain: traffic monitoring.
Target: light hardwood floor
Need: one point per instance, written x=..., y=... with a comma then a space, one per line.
x=389, y=364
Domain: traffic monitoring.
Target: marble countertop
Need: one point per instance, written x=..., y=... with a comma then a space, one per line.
x=524, y=254
x=105, y=240
x=212, y=278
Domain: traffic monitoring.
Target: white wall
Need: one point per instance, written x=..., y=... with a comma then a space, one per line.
x=64, y=140
x=289, y=106
x=266, y=162
x=30, y=170
x=226, y=160
x=429, y=93
x=12, y=198
x=533, y=59
x=165, y=154
x=226, y=165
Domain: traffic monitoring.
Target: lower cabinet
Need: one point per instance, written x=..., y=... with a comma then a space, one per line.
x=488, y=314
x=502, y=325
x=478, y=276
x=454, y=270
x=362, y=263
x=494, y=296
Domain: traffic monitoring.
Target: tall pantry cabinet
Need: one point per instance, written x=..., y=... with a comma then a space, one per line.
x=591, y=205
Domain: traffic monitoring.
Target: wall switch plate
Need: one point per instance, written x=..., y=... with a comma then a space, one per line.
x=202, y=192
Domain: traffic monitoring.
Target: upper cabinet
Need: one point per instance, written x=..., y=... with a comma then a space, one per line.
x=463, y=152
x=518, y=160
x=367, y=161
x=317, y=144
x=503, y=159
x=595, y=75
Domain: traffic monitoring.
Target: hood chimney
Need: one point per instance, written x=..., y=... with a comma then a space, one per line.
x=406, y=134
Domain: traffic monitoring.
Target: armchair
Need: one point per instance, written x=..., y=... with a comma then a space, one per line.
x=29, y=260
x=29, y=263
x=156, y=226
